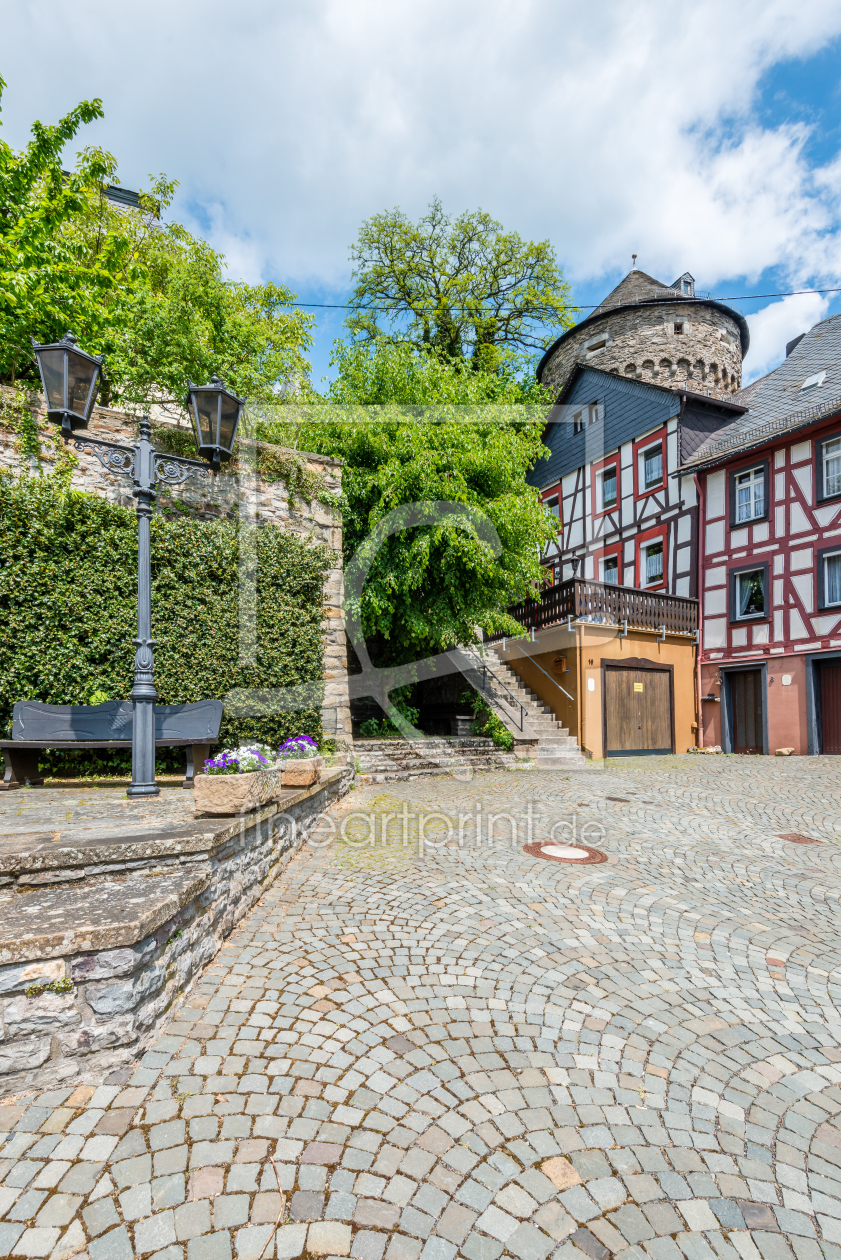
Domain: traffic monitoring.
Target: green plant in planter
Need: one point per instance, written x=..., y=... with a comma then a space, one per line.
x=245, y=760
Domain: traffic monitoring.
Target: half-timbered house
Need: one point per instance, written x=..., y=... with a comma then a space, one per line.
x=626, y=516
x=770, y=558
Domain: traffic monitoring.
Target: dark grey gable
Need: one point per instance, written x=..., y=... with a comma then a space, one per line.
x=627, y=409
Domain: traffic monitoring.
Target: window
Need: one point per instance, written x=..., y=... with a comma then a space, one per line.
x=652, y=466
x=832, y=467
x=750, y=594
x=653, y=553
x=750, y=494
x=747, y=494
x=605, y=488
x=592, y=413
x=609, y=487
x=597, y=345
x=553, y=507
x=811, y=382
x=578, y=422
x=610, y=570
x=829, y=577
x=678, y=330
x=832, y=579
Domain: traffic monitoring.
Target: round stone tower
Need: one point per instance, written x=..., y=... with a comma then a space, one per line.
x=654, y=332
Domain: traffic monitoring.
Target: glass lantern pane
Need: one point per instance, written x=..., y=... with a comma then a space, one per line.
x=52, y=372
x=228, y=424
x=80, y=377
x=204, y=407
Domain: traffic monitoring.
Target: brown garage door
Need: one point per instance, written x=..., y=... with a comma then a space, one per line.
x=746, y=699
x=831, y=708
x=638, y=712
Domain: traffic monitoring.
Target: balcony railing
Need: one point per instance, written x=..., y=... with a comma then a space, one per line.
x=604, y=604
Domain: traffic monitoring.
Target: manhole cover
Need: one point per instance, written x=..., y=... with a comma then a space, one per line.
x=580, y=854
x=796, y=839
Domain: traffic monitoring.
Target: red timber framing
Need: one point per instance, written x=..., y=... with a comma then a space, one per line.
x=771, y=586
x=593, y=528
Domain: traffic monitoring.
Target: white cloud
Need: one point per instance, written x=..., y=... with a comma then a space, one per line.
x=609, y=128
x=775, y=325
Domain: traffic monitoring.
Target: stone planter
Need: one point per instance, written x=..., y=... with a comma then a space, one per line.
x=302, y=771
x=236, y=793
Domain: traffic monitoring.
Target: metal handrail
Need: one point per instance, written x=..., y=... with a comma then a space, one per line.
x=485, y=672
x=551, y=679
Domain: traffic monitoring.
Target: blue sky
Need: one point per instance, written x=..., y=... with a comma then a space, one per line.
x=704, y=138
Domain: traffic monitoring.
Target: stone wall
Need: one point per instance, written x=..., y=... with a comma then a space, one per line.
x=123, y=931
x=640, y=341
x=239, y=491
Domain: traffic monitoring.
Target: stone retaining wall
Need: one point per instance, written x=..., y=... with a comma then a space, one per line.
x=130, y=939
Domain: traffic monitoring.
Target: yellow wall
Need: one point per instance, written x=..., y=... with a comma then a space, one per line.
x=585, y=647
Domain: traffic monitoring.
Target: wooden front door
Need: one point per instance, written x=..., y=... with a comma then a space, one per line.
x=831, y=709
x=638, y=712
x=746, y=703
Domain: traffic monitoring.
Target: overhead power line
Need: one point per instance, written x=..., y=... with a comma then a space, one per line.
x=374, y=310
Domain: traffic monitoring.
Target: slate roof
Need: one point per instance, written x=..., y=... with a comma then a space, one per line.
x=777, y=402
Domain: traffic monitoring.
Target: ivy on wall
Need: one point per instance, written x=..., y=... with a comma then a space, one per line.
x=273, y=463
x=68, y=599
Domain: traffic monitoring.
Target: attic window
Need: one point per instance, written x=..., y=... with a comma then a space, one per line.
x=678, y=330
x=578, y=422
x=811, y=381
x=686, y=286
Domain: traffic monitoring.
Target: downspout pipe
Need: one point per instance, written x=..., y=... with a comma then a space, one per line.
x=702, y=521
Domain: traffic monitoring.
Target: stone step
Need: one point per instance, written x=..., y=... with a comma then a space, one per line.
x=370, y=765
x=560, y=759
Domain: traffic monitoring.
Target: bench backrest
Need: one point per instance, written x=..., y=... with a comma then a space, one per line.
x=113, y=720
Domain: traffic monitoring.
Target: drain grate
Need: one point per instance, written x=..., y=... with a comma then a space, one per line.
x=576, y=854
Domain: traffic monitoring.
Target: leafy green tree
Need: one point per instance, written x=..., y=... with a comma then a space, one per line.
x=462, y=286
x=147, y=294
x=382, y=372
x=43, y=288
x=413, y=427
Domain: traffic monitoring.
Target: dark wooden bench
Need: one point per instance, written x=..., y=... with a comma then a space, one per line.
x=70, y=726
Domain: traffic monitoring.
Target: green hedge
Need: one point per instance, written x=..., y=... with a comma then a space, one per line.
x=68, y=592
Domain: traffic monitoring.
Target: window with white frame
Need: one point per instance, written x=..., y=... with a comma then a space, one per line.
x=651, y=466
x=750, y=593
x=610, y=569
x=578, y=422
x=832, y=467
x=606, y=488
x=652, y=563
x=750, y=494
x=832, y=579
x=553, y=507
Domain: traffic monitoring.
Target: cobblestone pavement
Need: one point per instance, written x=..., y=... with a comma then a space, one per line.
x=442, y=1049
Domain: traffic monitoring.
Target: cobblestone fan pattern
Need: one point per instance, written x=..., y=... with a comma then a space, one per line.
x=469, y=1052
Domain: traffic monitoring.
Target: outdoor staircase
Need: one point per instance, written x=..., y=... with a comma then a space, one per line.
x=387, y=760
x=521, y=709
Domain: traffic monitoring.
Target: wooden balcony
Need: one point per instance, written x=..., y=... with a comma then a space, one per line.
x=604, y=604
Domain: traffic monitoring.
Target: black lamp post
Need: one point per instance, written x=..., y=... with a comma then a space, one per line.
x=70, y=379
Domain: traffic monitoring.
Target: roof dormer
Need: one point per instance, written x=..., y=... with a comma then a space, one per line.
x=685, y=285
